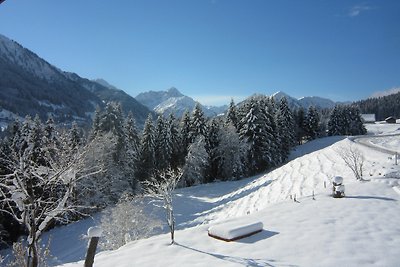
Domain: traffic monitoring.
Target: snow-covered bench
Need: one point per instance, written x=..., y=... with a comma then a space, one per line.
x=232, y=231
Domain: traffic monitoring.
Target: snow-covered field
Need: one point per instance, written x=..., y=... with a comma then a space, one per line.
x=361, y=229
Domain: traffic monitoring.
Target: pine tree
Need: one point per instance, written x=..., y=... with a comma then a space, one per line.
x=96, y=123
x=231, y=116
x=146, y=164
x=132, y=144
x=300, y=119
x=285, y=128
x=252, y=129
x=198, y=123
x=196, y=163
x=345, y=120
x=230, y=154
x=49, y=129
x=51, y=140
x=311, y=123
x=272, y=140
x=35, y=142
x=111, y=120
x=185, y=135
x=161, y=145
x=74, y=136
x=212, y=142
x=15, y=135
x=132, y=135
x=335, y=123
x=174, y=155
x=356, y=124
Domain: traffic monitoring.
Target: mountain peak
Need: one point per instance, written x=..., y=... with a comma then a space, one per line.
x=304, y=102
x=280, y=94
x=173, y=92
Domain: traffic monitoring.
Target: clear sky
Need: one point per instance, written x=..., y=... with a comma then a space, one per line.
x=213, y=50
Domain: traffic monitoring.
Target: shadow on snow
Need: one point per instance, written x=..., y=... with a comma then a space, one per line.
x=244, y=261
x=190, y=207
x=372, y=197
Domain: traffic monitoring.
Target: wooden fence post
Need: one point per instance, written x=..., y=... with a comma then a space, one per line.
x=94, y=233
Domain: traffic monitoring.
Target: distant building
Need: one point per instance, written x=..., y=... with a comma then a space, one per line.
x=390, y=119
x=368, y=118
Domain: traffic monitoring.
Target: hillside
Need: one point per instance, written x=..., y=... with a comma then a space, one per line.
x=358, y=230
x=29, y=85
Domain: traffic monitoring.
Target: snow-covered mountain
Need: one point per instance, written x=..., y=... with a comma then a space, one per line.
x=316, y=102
x=152, y=99
x=15, y=54
x=305, y=102
x=29, y=85
x=173, y=101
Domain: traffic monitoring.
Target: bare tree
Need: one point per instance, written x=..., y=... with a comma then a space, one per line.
x=354, y=159
x=38, y=194
x=162, y=187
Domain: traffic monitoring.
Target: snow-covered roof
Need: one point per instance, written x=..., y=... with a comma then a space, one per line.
x=368, y=117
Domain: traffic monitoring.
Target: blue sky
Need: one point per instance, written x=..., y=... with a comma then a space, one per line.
x=213, y=50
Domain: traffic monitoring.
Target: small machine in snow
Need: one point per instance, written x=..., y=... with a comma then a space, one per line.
x=338, y=187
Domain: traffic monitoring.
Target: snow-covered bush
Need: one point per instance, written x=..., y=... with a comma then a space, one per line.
x=125, y=222
x=20, y=257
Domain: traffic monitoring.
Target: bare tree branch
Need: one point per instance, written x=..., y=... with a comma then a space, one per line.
x=354, y=159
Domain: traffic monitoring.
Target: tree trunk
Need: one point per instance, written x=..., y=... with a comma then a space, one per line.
x=33, y=257
x=172, y=226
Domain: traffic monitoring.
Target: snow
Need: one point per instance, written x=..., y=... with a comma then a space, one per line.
x=382, y=127
x=360, y=229
x=94, y=231
x=233, y=230
x=338, y=180
x=368, y=117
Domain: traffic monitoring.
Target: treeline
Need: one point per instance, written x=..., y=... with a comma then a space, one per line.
x=382, y=107
x=252, y=137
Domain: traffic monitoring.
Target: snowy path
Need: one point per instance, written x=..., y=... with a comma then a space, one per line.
x=389, y=144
